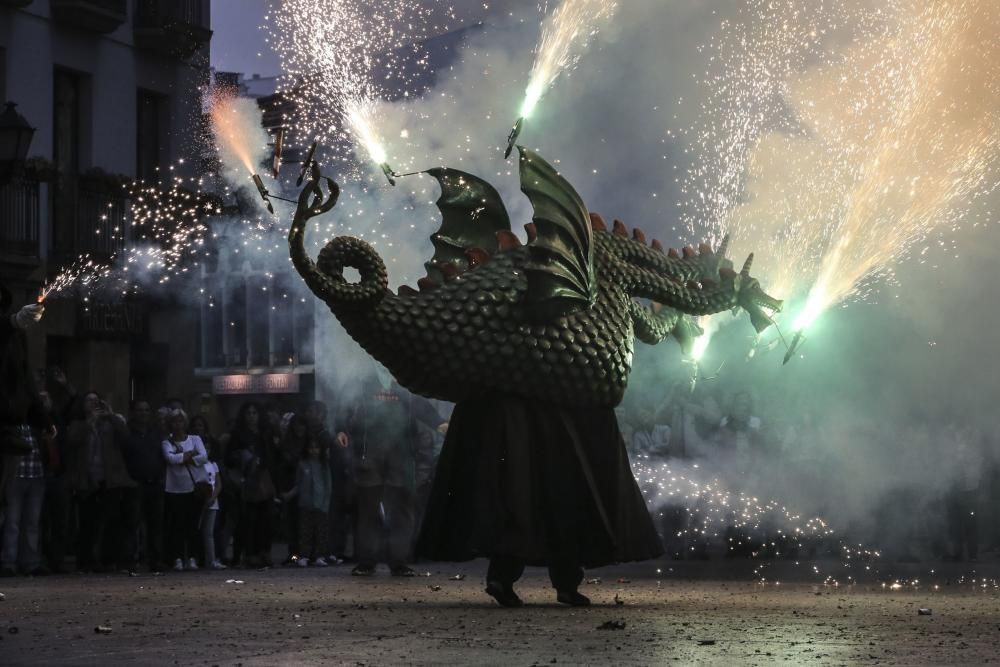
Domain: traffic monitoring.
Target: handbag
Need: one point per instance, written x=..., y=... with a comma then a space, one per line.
x=202, y=489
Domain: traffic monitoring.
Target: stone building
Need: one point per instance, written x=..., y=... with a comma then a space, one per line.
x=112, y=88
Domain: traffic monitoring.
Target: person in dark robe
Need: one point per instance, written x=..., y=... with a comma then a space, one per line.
x=528, y=483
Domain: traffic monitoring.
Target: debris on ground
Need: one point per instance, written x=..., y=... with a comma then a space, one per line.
x=434, y=588
x=923, y=611
x=623, y=580
x=425, y=574
x=595, y=580
x=618, y=600
x=2, y=597
x=706, y=642
x=13, y=630
x=457, y=577
x=234, y=581
x=612, y=625
x=102, y=630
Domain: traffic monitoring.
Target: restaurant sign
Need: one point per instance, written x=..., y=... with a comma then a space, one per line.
x=238, y=385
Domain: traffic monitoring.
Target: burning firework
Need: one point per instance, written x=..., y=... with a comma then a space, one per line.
x=892, y=139
x=334, y=51
x=564, y=37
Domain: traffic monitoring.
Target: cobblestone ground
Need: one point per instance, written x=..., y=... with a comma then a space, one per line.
x=688, y=613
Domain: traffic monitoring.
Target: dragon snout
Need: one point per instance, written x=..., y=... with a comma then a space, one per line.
x=756, y=302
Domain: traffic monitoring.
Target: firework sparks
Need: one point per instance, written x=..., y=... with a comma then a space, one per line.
x=854, y=135
x=84, y=271
x=334, y=52
x=738, y=519
x=564, y=37
x=227, y=113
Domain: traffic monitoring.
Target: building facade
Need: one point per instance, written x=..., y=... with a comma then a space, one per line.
x=113, y=88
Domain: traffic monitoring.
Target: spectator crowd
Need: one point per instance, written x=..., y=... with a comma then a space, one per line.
x=158, y=488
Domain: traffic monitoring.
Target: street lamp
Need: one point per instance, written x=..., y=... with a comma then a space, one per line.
x=15, y=137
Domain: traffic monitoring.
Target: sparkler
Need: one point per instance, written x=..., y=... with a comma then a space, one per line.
x=564, y=36
x=83, y=271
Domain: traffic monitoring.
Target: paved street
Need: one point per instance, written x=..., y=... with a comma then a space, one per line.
x=698, y=613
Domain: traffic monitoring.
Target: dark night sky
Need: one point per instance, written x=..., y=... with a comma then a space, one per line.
x=238, y=43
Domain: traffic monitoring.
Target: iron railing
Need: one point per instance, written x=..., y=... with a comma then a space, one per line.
x=19, y=217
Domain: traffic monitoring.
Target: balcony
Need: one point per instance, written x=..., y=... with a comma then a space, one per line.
x=89, y=217
x=98, y=15
x=101, y=225
x=174, y=28
x=19, y=218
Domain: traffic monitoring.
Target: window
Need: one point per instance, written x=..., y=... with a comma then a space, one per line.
x=150, y=112
x=3, y=75
x=66, y=154
x=253, y=319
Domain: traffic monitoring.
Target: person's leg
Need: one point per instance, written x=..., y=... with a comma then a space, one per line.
x=369, y=530
x=566, y=577
x=192, y=538
x=31, y=557
x=504, y=569
x=152, y=512
x=221, y=537
x=55, y=520
x=399, y=504
x=339, y=521
x=85, y=530
x=247, y=532
x=129, y=521
x=292, y=515
x=321, y=524
x=306, y=539
x=501, y=574
x=208, y=536
x=15, y=494
x=111, y=532
x=173, y=507
x=265, y=534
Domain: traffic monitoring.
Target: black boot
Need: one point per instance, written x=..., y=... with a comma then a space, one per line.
x=573, y=598
x=504, y=595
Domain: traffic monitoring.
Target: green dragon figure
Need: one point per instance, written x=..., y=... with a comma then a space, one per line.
x=552, y=320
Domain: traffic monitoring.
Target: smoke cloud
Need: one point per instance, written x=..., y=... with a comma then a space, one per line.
x=888, y=406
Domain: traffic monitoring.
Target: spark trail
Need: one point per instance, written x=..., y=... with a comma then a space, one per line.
x=845, y=137
x=335, y=56
x=565, y=35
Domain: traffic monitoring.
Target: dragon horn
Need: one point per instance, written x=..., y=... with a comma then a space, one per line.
x=747, y=265
x=723, y=247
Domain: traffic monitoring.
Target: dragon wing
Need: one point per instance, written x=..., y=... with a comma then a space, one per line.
x=471, y=214
x=560, y=268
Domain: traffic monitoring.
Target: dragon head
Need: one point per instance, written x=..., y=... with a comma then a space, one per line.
x=753, y=299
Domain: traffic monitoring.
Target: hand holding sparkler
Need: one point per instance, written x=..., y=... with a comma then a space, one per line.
x=29, y=315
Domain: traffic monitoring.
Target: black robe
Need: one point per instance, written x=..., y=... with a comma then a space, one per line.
x=539, y=482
